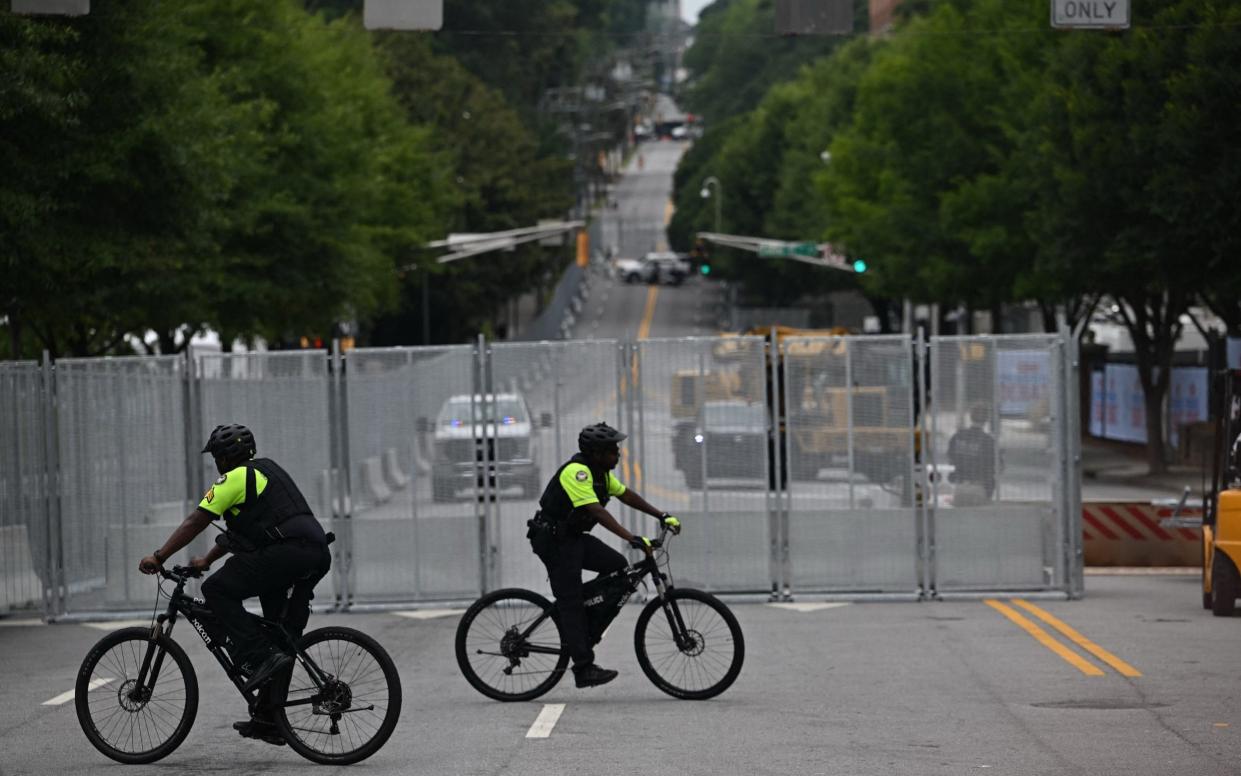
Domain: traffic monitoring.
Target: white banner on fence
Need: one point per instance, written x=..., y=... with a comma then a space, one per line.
x=1125, y=418
x=1187, y=399
x=1023, y=378
x=1098, y=404
x=1118, y=409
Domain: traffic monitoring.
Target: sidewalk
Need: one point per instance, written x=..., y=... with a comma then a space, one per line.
x=1115, y=470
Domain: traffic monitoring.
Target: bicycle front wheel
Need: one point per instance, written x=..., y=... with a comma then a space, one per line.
x=508, y=645
x=348, y=716
x=689, y=644
x=129, y=720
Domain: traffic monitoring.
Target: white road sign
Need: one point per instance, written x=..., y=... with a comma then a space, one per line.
x=1090, y=14
x=403, y=14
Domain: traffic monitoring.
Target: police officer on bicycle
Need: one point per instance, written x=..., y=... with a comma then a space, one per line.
x=573, y=502
x=277, y=545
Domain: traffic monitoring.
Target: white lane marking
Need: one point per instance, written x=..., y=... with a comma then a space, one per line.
x=20, y=623
x=116, y=624
x=429, y=614
x=810, y=607
x=542, y=727
x=65, y=697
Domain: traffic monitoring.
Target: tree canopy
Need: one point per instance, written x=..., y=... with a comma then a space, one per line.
x=270, y=170
x=976, y=157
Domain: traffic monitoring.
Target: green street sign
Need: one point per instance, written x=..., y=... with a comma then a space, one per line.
x=779, y=250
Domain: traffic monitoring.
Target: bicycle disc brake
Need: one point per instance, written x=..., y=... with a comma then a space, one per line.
x=692, y=643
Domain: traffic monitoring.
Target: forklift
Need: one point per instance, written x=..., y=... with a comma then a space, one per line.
x=1221, y=522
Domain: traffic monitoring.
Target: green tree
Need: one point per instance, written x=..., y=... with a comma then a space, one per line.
x=737, y=57
x=37, y=106
x=1141, y=165
x=768, y=160
x=116, y=154
x=338, y=187
x=919, y=181
x=498, y=179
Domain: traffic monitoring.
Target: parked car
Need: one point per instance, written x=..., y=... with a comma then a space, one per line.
x=631, y=270
x=666, y=267
x=729, y=437
x=462, y=435
x=655, y=267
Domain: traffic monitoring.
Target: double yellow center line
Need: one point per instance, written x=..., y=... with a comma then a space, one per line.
x=1047, y=640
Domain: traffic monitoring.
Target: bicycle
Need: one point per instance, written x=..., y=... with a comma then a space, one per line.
x=508, y=642
x=137, y=694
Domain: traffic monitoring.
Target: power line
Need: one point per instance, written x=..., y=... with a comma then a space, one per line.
x=778, y=36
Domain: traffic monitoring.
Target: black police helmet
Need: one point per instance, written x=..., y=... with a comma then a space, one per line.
x=597, y=437
x=233, y=442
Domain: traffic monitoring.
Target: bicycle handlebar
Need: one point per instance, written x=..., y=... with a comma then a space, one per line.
x=180, y=573
x=658, y=541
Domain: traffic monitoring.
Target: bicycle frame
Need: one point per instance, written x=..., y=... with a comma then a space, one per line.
x=636, y=573
x=198, y=615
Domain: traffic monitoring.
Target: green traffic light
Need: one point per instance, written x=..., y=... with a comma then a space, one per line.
x=705, y=269
x=859, y=265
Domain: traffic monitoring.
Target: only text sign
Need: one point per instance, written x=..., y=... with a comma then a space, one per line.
x=1090, y=14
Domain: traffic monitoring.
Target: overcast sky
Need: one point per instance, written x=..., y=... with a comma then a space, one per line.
x=690, y=9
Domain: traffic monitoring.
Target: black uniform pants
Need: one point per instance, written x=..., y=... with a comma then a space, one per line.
x=565, y=560
x=268, y=573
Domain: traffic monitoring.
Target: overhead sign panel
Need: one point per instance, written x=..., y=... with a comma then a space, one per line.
x=772, y=250
x=814, y=17
x=1090, y=14
x=52, y=7
x=403, y=14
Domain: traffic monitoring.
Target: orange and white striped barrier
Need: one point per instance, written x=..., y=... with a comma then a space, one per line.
x=1128, y=533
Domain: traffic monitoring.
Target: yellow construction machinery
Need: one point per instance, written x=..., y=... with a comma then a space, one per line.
x=828, y=407
x=1221, y=525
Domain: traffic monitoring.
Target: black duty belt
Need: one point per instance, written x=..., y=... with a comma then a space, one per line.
x=543, y=522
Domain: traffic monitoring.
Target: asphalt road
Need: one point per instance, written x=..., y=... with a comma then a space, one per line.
x=904, y=688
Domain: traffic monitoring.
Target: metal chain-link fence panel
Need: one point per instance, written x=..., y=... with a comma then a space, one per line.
x=813, y=471
x=997, y=450
x=541, y=395
x=848, y=405
x=123, y=480
x=414, y=524
x=25, y=528
x=284, y=398
x=699, y=449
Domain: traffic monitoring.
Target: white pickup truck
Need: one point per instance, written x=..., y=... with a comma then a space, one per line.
x=654, y=267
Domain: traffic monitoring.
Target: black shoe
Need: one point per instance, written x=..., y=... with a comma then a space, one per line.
x=591, y=675
x=260, y=729
x=274, y=662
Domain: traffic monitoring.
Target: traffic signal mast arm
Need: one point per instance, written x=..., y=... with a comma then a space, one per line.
x=817, y=254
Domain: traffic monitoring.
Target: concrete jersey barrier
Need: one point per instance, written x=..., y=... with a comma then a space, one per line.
x=1129, y=534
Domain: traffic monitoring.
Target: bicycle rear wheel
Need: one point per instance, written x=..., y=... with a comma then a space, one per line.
x=694, y=650
x=129, y=722
x=349, y=717
x=508, y=645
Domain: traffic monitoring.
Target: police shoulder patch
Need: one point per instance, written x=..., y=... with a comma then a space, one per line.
x=220, y=481
x=210, y=495
x=582, y=475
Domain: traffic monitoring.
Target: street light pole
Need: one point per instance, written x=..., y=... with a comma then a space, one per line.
x=719, y=196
